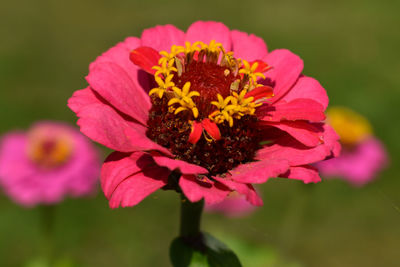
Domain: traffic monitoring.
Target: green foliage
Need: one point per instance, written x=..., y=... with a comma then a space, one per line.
x=203, y=251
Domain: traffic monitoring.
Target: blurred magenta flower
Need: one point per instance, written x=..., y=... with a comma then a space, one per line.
x=46, y=163
x=234, y=205
x=185, y=103
x=363, y=155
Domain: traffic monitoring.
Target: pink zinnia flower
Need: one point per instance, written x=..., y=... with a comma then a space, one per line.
x=46, y=163
x=363, y=155
x=184, y=104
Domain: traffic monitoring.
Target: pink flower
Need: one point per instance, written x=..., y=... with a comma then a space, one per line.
x=363, y=155
x=234, y=205
x=181, y=103
x=47, y=163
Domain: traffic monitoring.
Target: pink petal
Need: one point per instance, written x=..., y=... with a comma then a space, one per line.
x=137, y=187
x=195, y=190
x=297, y=154
x=307, y=87
x=306, y=173
x=259, y=171
x=116, y=86
x=307, y=133
x=286, y=69
x=162, y=37
x=128, y=179
x=182, y=166
x=104, y=125
x=248, y=46
x=243, y=189
x=82, y=99
x=146, y=58
x=119, y=55
x=206, y=31
x=358, y=166
x=298, y=109
x=119, y=166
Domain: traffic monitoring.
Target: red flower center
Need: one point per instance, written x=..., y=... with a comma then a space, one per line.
x=203, y=109
x=208, y=79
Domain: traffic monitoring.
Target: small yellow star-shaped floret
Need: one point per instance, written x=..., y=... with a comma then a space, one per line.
x=183, y=97
x=163, y=86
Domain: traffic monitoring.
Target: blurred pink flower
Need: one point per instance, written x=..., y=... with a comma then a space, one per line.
x=46, y=163
x=188, y=104
x=363, y=155
x=359, y=165
x=234, y=205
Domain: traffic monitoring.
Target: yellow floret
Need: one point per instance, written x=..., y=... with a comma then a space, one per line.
x=183, y=97
x=163, y=86
x=249, y=71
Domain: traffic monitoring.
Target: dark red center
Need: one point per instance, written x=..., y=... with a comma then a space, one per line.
x=209, y=79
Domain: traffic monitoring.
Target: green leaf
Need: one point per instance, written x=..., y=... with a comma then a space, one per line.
x=204, y=250
x=218, y=254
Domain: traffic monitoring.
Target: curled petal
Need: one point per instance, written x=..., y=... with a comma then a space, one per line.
x=306, y=173
x=260, y=92
x=195, y=133
x=211, y=128
x=146, y=58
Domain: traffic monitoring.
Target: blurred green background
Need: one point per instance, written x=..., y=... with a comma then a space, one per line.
x=350, y=46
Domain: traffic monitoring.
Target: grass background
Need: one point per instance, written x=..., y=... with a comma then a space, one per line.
x=350, y=46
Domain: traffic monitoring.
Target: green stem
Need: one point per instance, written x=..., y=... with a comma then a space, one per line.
x=47, y=223
x=190, y=217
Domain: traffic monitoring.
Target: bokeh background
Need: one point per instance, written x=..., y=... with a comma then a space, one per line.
x=350, y=46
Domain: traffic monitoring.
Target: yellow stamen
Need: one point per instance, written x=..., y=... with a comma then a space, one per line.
x=229, y=108
x=184, y=98
x=249, y=71
x=163, y=86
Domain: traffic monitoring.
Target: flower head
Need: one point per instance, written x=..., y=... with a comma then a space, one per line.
x=46, y=163
x=363, y=155
x=207, y=112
